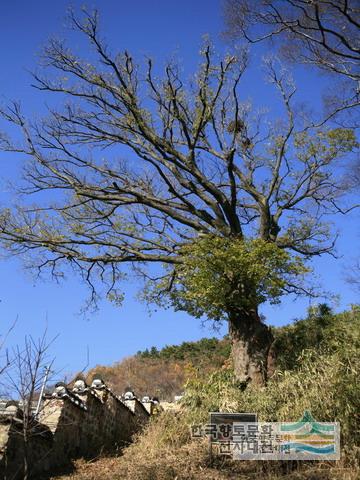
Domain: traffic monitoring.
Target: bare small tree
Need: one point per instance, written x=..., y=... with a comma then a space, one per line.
x=25, y=379
x=4, y=354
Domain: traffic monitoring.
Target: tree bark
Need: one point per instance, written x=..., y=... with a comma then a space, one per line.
x=252, y=351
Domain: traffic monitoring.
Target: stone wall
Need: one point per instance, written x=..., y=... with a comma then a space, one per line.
x=12, y=445
x=79, y=423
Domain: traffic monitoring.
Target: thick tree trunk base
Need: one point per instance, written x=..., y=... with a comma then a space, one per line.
x=252, y=352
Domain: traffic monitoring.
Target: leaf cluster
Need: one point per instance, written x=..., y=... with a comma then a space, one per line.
x=219, y=275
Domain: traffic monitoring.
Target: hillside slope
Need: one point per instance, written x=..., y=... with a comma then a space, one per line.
x=163, y=373
x=319, y=371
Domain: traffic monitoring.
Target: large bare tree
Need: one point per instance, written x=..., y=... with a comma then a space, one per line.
x=133, y=169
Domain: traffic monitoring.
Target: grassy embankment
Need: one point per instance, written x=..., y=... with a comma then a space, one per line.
x=319, y=371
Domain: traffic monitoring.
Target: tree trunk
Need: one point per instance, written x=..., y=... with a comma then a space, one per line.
x=26, y=460
x=252, y=351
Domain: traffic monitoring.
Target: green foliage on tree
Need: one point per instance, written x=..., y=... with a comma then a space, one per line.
x=219, y=275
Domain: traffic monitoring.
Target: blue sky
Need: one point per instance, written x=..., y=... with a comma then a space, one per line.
x=161, y=29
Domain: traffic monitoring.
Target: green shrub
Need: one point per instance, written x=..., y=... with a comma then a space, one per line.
x=321, y=331
x=324, y=379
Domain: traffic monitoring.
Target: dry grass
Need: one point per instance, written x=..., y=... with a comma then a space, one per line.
x=326, y=382
x=166, y=452
x=192, y=463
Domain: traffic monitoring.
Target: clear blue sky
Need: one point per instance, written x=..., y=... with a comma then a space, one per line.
x=162, y=29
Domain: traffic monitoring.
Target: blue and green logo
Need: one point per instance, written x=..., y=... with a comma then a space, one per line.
x=309, y=436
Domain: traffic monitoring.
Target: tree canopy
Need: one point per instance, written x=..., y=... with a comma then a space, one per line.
x=220, y=274
x=145, y=164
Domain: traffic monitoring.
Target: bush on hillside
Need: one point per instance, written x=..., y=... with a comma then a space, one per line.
x=322, y=376
x=190, y=351
x=325, y=380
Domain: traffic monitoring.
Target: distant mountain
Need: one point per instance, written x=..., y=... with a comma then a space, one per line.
x=162, y=373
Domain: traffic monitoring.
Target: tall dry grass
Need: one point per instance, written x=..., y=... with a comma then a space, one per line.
x=323, y=379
